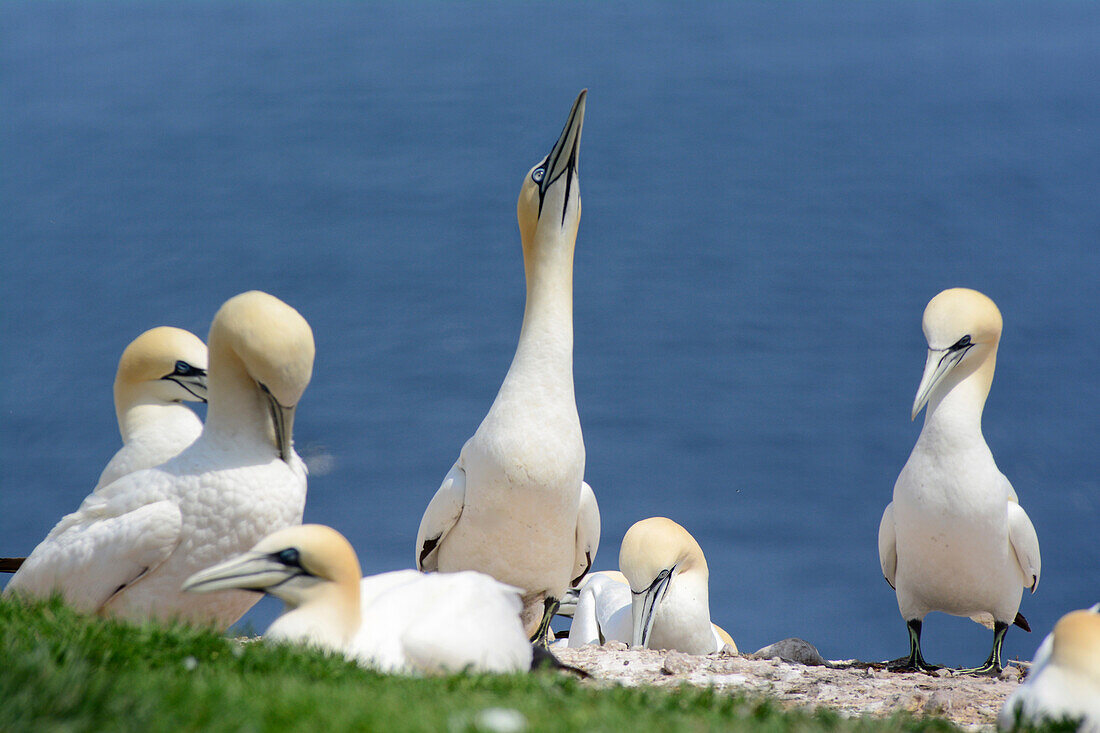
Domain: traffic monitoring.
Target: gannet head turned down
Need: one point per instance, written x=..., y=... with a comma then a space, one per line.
x=655, y=552
x=310, y=567
x=273, y=344
x=963, y=328
x=549, y=206
x=162, y=365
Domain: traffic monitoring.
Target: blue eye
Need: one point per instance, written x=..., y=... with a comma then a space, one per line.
x=961, y=343
x=183, y=367
x=289, y=556
x=537, y=174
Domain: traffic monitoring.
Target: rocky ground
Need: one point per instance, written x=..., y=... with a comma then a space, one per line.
x=805, y=680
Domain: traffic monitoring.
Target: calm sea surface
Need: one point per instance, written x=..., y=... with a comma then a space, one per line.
x=772, y=192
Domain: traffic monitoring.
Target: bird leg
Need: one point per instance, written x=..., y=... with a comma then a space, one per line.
x=915, y=661
x=992, y=666
x=541, y=637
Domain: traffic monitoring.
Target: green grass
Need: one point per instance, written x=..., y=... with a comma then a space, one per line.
x=60, y=671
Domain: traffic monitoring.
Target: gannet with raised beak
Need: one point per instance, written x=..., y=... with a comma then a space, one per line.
x=658, y=601
x=515, y=505
x=402, y=621
x=1064, y=680
x=955, y=538
x=128, y=548
x=159, y=371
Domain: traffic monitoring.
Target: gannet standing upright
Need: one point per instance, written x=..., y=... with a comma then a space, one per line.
x=1064, y=681
x=403, y=621
x=515, y=505
x=132, y=543
x=158, y=371
x=955, y=538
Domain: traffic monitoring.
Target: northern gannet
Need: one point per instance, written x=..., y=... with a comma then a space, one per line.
x=158, y=371
x=954, y=538
x=1064, y=681
x=515, y=505
x=661, y=601
x=131, y=544
x=403, y=621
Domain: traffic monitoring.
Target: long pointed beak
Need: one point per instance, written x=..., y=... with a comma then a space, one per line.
x=564, y=156
x=250, y=571
x=643, y=608
x=940, y=362
x=282, y=417
x=193, y=383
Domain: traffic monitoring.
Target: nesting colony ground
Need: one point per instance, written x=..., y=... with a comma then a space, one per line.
x=850, y=687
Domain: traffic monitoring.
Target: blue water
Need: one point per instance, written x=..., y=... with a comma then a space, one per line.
x=772, y=192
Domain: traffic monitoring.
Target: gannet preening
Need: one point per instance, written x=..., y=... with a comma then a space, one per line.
x=955, y=539
x=404, y=621
x=658, y=601
x=131, y=544
x=158, y=371
x=514, y=505
x=1064, y=681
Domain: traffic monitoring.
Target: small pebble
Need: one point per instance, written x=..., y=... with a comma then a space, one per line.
x=943, y=672
x=1011, y=672
x=679, y=663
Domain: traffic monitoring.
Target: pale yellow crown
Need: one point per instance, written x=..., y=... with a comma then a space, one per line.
x=153, y=355
x=1077, y=644
x=272, y=340
x=322, y=551
x=657, y=544
x=959, y=312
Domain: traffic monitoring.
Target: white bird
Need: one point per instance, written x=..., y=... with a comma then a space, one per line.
x=402, y=621
x=954, y=538
x=131, y=544
x=158, y=371
x=659, y=601
x=1064, y=681
x=515, y=505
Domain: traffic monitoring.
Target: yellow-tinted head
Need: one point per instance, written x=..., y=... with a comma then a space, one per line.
x=1077, y=644
x=274, y=344
x=293, y=564
x=963, y=328
x=550, y=199
x=163, y=364
x=655, y=545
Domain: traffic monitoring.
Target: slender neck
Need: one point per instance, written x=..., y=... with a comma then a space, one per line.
x=548, y=315
x=329, y=618
x=955, y=407
x=237, y=409
x=139, y=415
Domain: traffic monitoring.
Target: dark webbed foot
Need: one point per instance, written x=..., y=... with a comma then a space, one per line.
x=542, y=635
x=914, y=662
x=908, y=664
x=992, y=666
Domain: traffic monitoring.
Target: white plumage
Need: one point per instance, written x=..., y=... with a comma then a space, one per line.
x=402, y=621
x=514, y=505
x=158, y=371
x=1064, y=680
x=954, y=538
x=130, y=545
